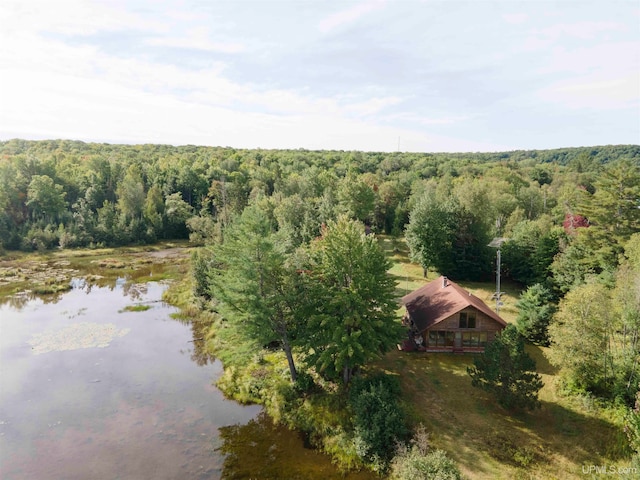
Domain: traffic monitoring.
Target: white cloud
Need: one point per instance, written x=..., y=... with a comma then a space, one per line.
x=585, y=93
x=72, y=17
x=349, y=15
x=66, y=71
x=197, y=38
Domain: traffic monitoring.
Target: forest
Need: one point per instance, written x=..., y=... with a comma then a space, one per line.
x=282, y=245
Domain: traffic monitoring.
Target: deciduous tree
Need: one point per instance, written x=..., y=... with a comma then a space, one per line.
x=581, y=338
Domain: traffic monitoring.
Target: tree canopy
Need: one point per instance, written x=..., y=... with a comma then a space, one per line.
x=352, y=319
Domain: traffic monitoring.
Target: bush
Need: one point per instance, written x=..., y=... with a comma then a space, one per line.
x=40, y=239
x=304, y=383
x=378, y=419
x=632, y=426
x=412, y=464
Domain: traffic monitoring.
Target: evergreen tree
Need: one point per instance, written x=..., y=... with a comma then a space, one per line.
x=535, y=310
x=507, y=371
x=612, y=211
x=255, y=286
x=352, y=319
x=378, y=418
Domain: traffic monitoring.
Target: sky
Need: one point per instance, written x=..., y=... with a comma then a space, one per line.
x=373, y=75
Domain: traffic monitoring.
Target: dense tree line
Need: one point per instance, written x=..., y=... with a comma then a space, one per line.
x=66, y=193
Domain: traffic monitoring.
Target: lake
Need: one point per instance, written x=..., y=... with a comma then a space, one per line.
x=101, y=382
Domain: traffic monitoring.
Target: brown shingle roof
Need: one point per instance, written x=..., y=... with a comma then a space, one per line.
x=434, y=302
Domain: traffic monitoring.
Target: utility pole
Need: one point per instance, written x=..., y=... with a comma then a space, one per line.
x=497, y=243
x=498, y=293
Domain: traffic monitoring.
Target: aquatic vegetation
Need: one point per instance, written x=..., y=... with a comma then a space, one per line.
x=135, y=308
x=76, y=336
x=110, y=263
x=46, y=289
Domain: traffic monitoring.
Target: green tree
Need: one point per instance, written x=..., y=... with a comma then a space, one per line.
x=154, y=209
x=535, y=311
x=45, y=198
x=507, y=371
x=176, y=213
x=612, y=211
x=257, y=289
x=131, y=196
x=580, y=338
x=106, y=231
x=626, y=306
x=296, y=219
x=530, y=250
x=430, y=234
x=447, y=237
x=574, y=264
x=356, y=199
x=352, y=319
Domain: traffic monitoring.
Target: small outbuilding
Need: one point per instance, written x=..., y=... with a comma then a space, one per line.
x=444, y=317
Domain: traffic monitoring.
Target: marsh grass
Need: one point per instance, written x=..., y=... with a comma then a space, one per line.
x=135, y=308
x=51, y=272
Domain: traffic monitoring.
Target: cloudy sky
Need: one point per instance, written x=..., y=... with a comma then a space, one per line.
x=369, y=75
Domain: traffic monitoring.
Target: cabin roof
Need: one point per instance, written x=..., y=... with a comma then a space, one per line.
x=440, y=299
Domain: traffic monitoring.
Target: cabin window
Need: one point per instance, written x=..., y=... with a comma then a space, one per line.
x=474, y=339
x=467, y=319
x=440, y=338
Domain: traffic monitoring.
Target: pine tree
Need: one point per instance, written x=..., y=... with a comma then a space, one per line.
x=352, y=317
x=254, y=283
x=507, y=371
x=535, y=310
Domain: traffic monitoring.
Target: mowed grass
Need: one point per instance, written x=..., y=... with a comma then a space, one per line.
x=488, y=442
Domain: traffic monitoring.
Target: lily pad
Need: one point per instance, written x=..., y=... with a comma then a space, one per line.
x=75, y=337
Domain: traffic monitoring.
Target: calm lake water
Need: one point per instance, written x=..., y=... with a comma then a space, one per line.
x=135, y=402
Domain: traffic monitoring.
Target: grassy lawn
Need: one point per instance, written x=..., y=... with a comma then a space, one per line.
x=555, y=441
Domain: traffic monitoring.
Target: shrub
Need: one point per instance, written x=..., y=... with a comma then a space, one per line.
x=378, y=420
x=412, y=464
x=304, y=383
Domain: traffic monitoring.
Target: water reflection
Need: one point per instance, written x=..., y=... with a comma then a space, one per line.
x=139, y=408
x=143, y=407
x=260, y=449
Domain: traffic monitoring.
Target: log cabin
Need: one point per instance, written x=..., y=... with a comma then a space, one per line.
x=443, y=317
